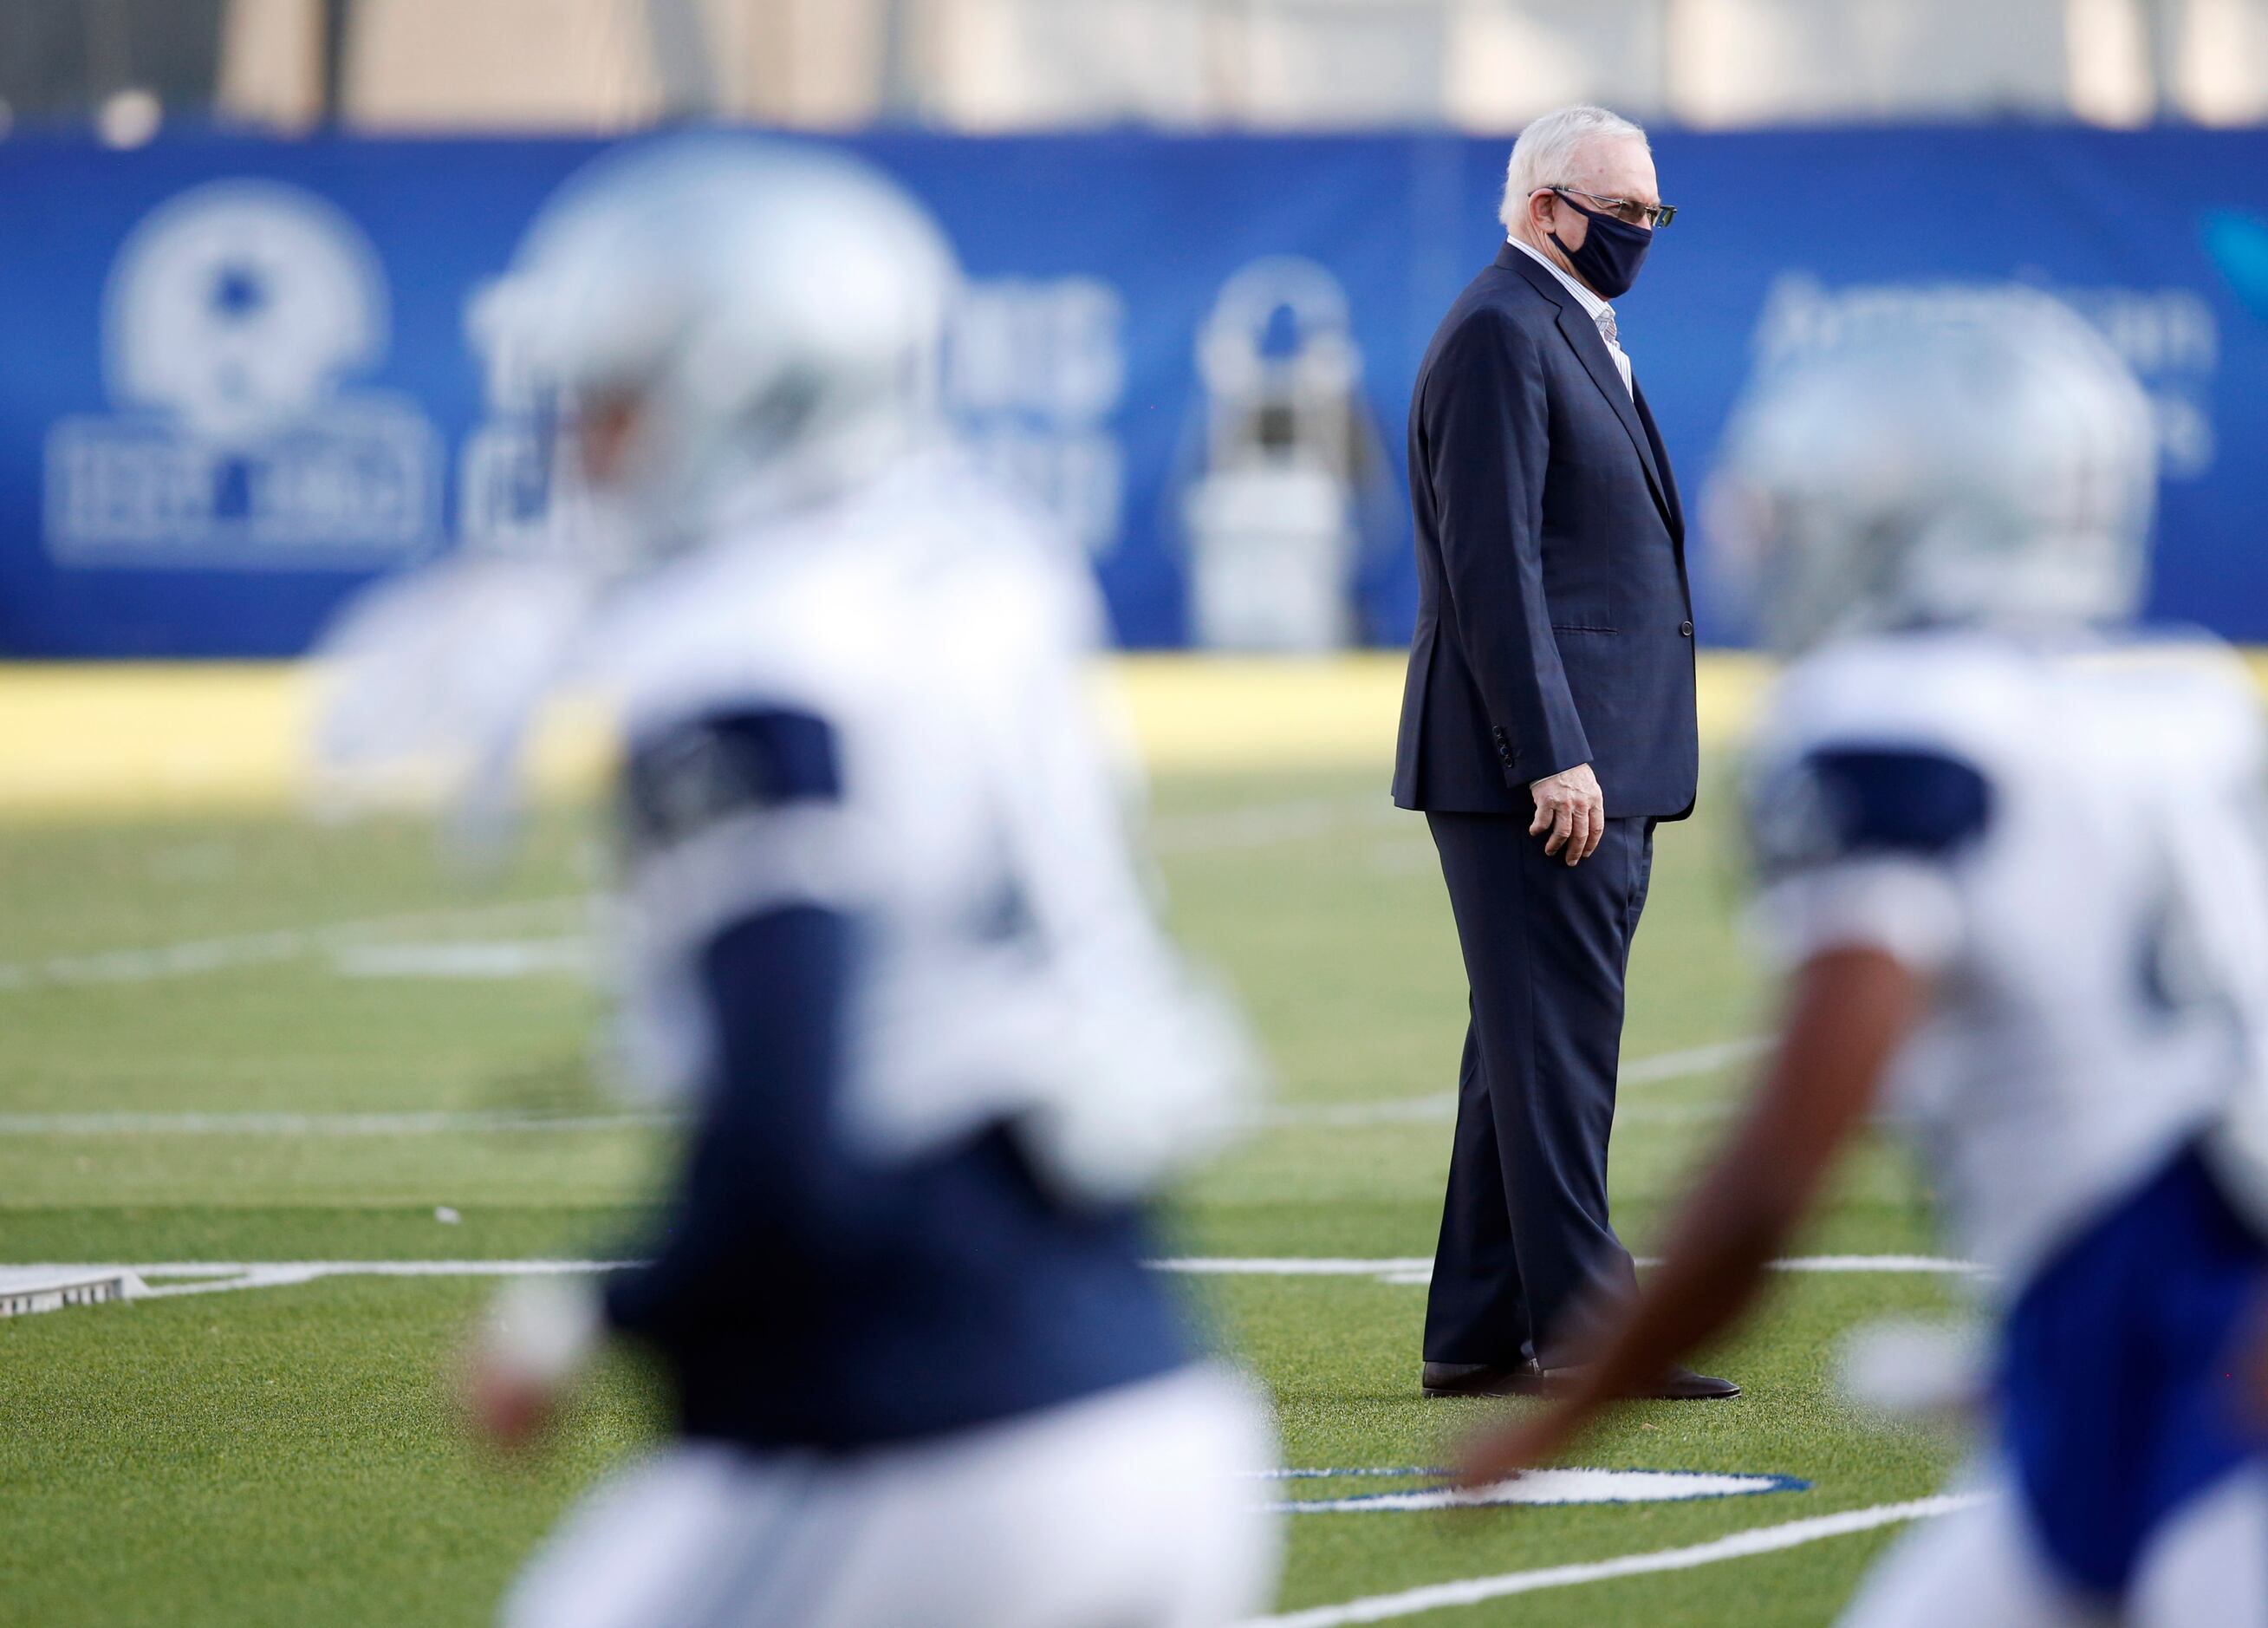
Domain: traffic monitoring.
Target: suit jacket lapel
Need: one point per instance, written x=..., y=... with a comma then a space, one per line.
x=1583, y=333
x=1662, y=458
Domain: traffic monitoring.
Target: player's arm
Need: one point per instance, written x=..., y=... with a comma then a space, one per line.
x=1859, y=845
x=1848, y=1009
x=767, y=1192
x=731, y=819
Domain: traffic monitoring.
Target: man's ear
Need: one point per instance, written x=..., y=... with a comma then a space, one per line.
x=1543, y=211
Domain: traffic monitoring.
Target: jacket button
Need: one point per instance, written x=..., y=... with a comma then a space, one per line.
x=1686, y=628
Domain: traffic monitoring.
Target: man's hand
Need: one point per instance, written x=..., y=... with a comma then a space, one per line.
x=1572, y=808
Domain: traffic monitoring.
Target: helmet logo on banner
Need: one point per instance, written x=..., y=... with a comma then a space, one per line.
x=236, y=319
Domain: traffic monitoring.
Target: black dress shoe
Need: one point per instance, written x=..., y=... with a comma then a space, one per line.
x=1684, y=1385
x=1482, y=1379
x=1677, y=1385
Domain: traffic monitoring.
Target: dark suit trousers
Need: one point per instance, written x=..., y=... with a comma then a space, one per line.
x=1524, y=1239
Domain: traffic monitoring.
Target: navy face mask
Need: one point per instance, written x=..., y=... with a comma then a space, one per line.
x=1612, y=251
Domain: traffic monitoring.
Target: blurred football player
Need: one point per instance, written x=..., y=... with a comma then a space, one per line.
x=880, y=931
x=2016, y=861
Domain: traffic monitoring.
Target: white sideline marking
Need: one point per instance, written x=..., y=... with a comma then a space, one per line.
x=1318, y=1473
x=1873, y=1264
x=1411, y=1269
x=1667, y=1065
x=1658, y=1070
x=1252, y=826
x=129, y=1122
x=1550, y=1487
x=195, y=956
x=1291, y=1266
x=576, y=957
x=218, y=1275
x=1442, y=1110
x=483, y=960
x=1736, y=1546
x=1419, y=1269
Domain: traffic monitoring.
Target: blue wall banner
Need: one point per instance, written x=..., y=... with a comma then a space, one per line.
x=239, y=376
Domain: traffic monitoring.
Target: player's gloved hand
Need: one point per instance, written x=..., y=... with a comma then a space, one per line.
x=1571, y=812
x=529, y=1348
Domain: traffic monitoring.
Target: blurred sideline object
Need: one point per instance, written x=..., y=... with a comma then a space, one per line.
x=1023, y=64
x=1272, y=517
x=1018, y=64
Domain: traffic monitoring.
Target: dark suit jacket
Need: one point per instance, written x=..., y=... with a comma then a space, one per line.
x=1555, y=626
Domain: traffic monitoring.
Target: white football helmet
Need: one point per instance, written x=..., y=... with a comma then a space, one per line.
x=1988, y=458
x=774, y=311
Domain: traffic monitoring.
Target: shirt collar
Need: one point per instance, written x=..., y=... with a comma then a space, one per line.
x=1593, y=306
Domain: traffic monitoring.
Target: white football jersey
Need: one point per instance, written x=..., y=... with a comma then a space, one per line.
x=1010, y=966
x=2069, y=841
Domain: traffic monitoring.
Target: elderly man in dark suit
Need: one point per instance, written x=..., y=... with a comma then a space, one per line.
x=1547, y=725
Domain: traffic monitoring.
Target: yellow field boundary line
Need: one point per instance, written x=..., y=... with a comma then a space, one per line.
x=96, y=740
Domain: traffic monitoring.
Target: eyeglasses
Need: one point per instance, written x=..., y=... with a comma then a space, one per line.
x=1628, y=210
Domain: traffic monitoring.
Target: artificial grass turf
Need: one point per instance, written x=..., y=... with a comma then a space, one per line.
x=283, y=1454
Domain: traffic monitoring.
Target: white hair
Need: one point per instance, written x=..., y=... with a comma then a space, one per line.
x=1545, y=153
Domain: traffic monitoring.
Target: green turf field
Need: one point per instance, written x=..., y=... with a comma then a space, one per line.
x=285, y=1455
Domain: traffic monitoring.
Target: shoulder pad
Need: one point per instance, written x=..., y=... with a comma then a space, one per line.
x=698, y=772
x=1850, y=801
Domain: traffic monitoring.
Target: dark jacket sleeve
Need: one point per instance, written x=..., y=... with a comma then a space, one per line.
x=1488, y=434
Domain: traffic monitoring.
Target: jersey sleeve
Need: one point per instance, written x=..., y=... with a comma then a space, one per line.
x=726, y=816
x=750, y=770
x=1863, y=843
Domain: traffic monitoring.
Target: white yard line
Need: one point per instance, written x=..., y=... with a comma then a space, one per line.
x=471, y=960
x=1761, y=1540
x=1655, y=1070
x=1661, y=1069
x=1442, y=1110
x=215, y=1275
x=219, y=1276
x=436, y=1123
x=1292, y=1266
x=1407, y=1269
x=192, y=957
x=1665, y=1066
x=1253, y=825
x=1873, y=1264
